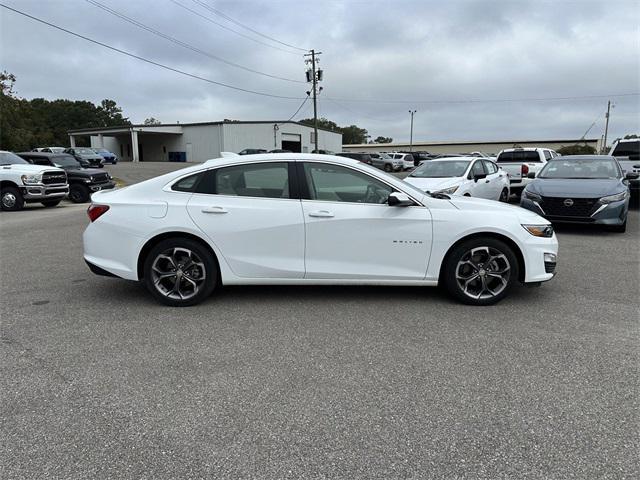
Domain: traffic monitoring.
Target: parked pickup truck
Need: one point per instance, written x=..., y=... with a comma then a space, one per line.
x=627, y=153
x=82, y=181
x=520, y=162
x=21, y=182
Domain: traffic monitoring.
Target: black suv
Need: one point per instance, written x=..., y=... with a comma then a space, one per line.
x=362, y=157
x=82, y=181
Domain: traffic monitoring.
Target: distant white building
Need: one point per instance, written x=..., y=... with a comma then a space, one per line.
x=197, y=142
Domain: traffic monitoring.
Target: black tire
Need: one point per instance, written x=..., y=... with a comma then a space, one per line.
x=504, y=195
x=505, y=266
x=51, y=203
x=79, y=193
x=11, y=199
x=387, y=167
x=204, y=272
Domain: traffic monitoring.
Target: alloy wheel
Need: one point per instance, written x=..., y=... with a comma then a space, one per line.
x=9, y=200
x=483, y=272
x=178, y=273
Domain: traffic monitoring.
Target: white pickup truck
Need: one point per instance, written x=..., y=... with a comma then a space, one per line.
x=519, y=162
x=627, y=152
x=21, y=182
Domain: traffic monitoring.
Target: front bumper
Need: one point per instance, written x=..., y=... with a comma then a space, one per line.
x=39, y=193
x=609, y=214
x=96, y=187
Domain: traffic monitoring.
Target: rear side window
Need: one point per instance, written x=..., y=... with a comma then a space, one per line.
x=189, y=184
x=267, y=180
x=547, y=155
x=490, y=167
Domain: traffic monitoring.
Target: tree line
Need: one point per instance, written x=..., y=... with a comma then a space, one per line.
x=26, y=124
x=351, y=134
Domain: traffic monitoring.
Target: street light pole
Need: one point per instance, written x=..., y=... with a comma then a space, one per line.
x=412, y=112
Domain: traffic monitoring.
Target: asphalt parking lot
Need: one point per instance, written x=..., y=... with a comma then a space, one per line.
x=99, y=381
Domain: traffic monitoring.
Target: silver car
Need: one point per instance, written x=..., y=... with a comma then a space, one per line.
x=385, y=162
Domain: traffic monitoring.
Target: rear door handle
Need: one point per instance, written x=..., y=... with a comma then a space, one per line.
x=215, y=210
x=321, y=213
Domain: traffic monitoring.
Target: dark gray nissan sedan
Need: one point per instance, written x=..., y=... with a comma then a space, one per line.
x=590, y=189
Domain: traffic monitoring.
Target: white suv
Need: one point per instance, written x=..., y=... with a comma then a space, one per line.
x=21, y=182
x=407, y=159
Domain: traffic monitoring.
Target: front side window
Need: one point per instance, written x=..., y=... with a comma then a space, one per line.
x=268, y=180
x=334, y=183
x=477, y=169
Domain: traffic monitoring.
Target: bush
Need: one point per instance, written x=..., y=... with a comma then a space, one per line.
x=576, y=150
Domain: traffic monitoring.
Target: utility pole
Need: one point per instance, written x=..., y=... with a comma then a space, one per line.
x=606, y=128
x=412, y=112
x=314, y=76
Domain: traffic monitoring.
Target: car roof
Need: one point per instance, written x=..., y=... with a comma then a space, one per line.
x=583, y=157
x=43, y=154
x=287, y=157
x=527, y=149
x=449, y=159
x=625, y=140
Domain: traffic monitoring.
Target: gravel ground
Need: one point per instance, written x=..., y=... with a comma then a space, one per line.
x=98, y=381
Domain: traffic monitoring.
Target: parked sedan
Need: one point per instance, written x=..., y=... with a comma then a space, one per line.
x=108, y=156
x=589, y=189
x=86, y=156
x=309, y=219
x=466, y=176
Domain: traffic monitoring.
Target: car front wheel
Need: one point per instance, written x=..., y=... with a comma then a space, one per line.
x=180, y=272
x=480, y=271
x=79, y=193
x=11, y=199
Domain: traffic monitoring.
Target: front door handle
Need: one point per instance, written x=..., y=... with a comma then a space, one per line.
x=321, y=213
x=215, y=210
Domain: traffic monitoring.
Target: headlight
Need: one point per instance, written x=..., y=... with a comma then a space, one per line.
x=532, y=196
x=109, y=176
x=448, y=191
x=615, y=198
x=32, y=179
x=545, y=231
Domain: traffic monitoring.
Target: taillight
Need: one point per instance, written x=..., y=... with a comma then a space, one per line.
x=95, y=211
x=524, y=170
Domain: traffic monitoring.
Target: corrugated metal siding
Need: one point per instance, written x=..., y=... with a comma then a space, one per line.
x=237, y=137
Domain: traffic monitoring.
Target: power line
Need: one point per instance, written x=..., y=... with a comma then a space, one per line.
x=501, y=100
x=232, y=30
x=146, y=60
x=228, y=18
x=184, y=44
x=300, y=107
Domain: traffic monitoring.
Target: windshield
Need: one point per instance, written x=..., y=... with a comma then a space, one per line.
x=580, y=168
x=8, y=158
x=441, y=169
x=626, y=149
x=65, y=161
x=85, y=151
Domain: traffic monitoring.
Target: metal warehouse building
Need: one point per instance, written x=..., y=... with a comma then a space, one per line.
x=197, y=142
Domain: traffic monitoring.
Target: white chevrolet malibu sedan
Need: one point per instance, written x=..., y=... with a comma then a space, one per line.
x=291, y=218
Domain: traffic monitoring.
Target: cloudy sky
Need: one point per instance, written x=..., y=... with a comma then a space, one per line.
x=453, y=61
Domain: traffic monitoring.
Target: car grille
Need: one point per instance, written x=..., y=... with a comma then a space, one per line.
x=568, y=207
x=52, y=178
x=100, y=177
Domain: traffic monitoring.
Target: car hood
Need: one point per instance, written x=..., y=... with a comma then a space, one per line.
x=433, y=184
x=29, y=168
x=576, y=188
x=472, y=204
x=85, y=172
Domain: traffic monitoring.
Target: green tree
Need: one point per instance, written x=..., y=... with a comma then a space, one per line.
x=576, y=150
x=152, y=121
x=383, y=140
x=322, y=123
x=354, y=134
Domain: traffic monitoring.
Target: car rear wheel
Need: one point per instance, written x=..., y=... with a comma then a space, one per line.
x=52, y=203
x=387, y=167
x=79, y=193
x=180, y=272
x=504, y=195
x=11, y=199
x=480, y=271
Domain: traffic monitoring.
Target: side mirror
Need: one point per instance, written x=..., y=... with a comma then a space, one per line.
x=479, y=176
x=398, y=199
x=631, y=176
x=531, y=175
